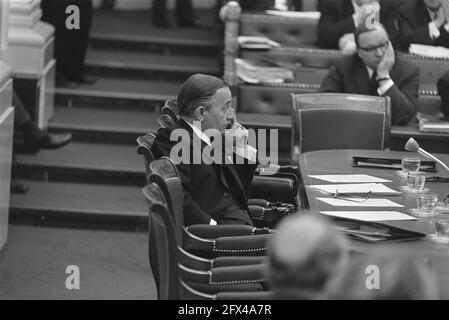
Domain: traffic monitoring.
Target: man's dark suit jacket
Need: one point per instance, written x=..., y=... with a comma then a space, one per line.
x=414, y=26
x=336, y=20
x=349, y=75
x=212, y=191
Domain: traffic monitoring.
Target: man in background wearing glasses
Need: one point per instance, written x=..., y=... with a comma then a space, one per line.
x=376, y=70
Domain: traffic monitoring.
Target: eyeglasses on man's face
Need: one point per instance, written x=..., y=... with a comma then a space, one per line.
x=383, y=46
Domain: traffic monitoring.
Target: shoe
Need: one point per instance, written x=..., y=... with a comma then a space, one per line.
x=194, y=23
x=55, y=140
x=85, y=79
x=63, y=82
x=18, y=188
x=162, y=23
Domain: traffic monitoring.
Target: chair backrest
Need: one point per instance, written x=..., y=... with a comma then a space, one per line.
x=164, y=173
x=340, y=121
x=144, y=144
x=163, y=241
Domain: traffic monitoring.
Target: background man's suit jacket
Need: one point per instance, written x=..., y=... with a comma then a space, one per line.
x=349, y=75
x=336, y=20
x=210, y=190
x=414, y=26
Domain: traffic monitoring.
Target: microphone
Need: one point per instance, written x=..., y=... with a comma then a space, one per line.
x=413, y=146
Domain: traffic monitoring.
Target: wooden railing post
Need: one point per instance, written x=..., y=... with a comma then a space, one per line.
x=30, y=54
x=6, y=124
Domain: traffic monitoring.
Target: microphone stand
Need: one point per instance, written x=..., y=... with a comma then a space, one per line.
x=428, y=155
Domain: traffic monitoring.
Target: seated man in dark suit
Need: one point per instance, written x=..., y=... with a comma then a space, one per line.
x=214, y=191
x=340, y=18
x=424, y=22
x=443, y=90
x=377, y=70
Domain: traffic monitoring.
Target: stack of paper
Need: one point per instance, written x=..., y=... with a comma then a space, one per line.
x=296, y=14
x=360, y=202
x=249, y=72
x=427, y=125
x=249, y=42
x=349, y=178
x=371, y=216
x=429, y=51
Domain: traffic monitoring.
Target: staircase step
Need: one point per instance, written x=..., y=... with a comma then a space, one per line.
x=121, y=126
x=122, y=90
x=84, y=162
x=142, y=64
x=134, y=27
x=80, y=204
x=103, y=125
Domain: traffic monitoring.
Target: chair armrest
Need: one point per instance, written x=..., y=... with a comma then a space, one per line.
x=217, y=231
x=226, y=275
x=255, y=245
x=281, y=187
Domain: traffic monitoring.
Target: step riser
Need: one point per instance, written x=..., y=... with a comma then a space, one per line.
x=115, y=101
x=68, y=219
x=169, y=74
x=108, y=103
x=79, y=175
x=167, y=49
x=92, y=136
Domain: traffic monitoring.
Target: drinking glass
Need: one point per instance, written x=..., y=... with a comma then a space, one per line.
x=426, y=203
x=410, y=164
x=441, y=234
x=415, y=182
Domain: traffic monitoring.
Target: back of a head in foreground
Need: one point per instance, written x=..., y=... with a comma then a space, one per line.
x=304, y=254
x=380, y=276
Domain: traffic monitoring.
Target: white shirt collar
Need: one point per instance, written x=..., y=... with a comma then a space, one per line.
x=200, y=134
x=370, y=71
x=356, y=7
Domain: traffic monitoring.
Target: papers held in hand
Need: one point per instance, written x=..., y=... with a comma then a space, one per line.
x=356, y=188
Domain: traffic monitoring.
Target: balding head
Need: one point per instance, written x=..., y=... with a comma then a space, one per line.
x=305, y=252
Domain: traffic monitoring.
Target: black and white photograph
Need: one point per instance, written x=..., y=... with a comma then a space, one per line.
x=224, y=155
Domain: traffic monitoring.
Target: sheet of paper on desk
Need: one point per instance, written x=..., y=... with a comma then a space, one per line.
x=370, y=215
x=358, y=202
x=348, y=178
x=356, y=188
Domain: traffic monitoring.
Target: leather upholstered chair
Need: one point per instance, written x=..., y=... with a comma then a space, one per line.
x=216, y=239
x=340, y=121
x=189, y=293
x=289, y=32
x=169, y=261
x=144, y=144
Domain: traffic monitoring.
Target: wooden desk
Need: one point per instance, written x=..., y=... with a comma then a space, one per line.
x=340, y=162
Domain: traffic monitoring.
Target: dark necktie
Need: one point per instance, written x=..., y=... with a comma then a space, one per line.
x=373, y=84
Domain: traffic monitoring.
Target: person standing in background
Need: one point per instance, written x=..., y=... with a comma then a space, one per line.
x=70, y=44
x=184, y=12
